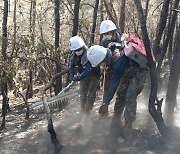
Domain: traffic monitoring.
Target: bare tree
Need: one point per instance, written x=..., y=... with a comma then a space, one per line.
x=32, y=34
x=146, y=10
x=57, y=145
x=161, y=25
x=14, y=28
x=102, y=17
x=154, y=110
x=169, y=35
x=171, y=94
x=94, y=22
x=76, y=17
x=112, y=15
x=32, y=20
x=58, y=84
x=4, y=87
x=122, y=16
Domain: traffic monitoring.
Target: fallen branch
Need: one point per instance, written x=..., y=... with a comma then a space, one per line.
x=49, y=84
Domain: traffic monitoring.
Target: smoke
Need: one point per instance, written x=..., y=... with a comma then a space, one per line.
x=86, y=123
x=86, y=132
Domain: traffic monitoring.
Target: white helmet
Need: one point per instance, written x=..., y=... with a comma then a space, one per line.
x=96, y=54
x=76, y=42
x=107, y=26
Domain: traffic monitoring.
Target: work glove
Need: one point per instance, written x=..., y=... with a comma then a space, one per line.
x=124, y=37
x=103, y=110
x=75, y=78
x=115, y=45
x=112, y=47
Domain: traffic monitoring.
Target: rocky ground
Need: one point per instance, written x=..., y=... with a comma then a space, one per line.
x=87, y=134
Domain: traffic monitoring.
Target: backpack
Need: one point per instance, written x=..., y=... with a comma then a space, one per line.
x=135, y=50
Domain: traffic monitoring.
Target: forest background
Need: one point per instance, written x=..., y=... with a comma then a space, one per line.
x=35, y=34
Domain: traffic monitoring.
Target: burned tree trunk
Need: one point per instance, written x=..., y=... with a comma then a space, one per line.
x=161, y=25
x=169, y=35
x=94, y=22
x=4, y=87
x=4, y=91
x=173, y=79
x=122, y=16
x=76, y=17
x=146, y=10
x=57, y=145
x=154, y=110
x=58, y=83
x=32, y=34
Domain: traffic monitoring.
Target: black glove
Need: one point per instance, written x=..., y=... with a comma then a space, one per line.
x=112, y=47
x=116, y=45
x=103, y=110
x=75, y=78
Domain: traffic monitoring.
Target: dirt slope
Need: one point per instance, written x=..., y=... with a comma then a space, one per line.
x=82, y=134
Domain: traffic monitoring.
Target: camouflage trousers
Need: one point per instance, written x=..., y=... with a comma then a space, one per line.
x=131, y=85
x=88, y=88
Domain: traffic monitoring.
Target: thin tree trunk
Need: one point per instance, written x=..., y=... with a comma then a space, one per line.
x=4, y=88
x=94, y=22
x=76, y=17
x=161, y=25
x=122, y=16
x=32, y=34
x=58, y=83
x=173, y=83
x=26, y=103
x=154, y=111
x=57, y=145
x=110, y=13
x=146, y=10
x=102, y=18
x=169, y=35
x=170, y=51
x=25, y=98
x=32, y=20
x=14, y=28
x=4, y=91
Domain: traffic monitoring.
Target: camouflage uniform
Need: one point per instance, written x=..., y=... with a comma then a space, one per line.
x=88, y=77
x=88, y=88
x=131, y=85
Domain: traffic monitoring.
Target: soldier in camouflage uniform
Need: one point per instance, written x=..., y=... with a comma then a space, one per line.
x=88, y=75
x=130, y=87
x=131, y=84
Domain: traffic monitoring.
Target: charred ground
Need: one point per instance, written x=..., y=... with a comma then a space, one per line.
x=87, y=134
